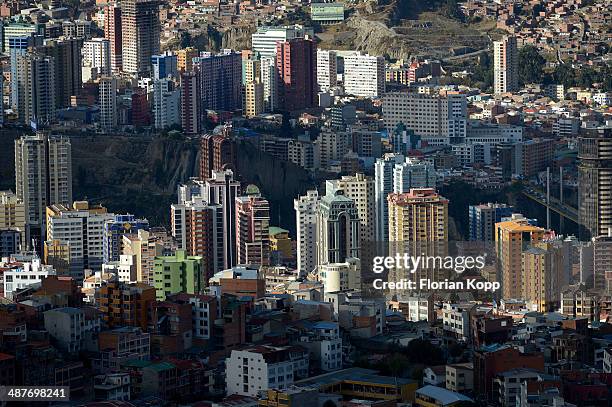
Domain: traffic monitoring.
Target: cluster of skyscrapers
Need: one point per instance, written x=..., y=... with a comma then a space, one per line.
x=130, y=82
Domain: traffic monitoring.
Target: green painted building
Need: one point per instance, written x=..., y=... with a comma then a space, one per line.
x=178, y=273
x=327, y=13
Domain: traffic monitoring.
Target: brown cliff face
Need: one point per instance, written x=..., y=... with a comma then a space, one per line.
x=140, y=174
x=135, y=174
x=133, y=162
x=375, y=38
x=237, y=37
x=279, y=181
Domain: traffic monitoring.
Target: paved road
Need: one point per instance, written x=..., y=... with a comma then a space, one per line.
x=557, y=206
x=468, y=55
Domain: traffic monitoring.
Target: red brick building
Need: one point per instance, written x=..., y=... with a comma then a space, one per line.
x=489, y=329
x=141, y=112
x=113, y=32
x=296, y=62
x=488, y=363
x=240, y=287
x=171, y=327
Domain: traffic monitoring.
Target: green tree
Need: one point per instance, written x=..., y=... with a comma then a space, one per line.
x=393, y=365
x=81, y=176
x=607, y=82
x=531, y=65
x=185, y=39
x=423, y=351
x=483, y=73
x=583, y=76
x=564, y=74
x=452, y=10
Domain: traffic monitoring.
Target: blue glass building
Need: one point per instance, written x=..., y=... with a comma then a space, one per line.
x=114, y=231
x=403, y=140
x=164, y=65
x=483, y=218
x=10, y=242
x=17, y=46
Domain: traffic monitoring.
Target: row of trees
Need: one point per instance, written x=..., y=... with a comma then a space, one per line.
x=532, y=69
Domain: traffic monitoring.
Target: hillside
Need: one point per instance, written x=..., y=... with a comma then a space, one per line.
x=140, y=174
x=392, y=28
x=136, y=174
x=404, y=28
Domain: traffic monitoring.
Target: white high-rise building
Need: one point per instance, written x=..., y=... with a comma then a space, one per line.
x=219, y=190
x=96, y=54
x=252, y=228
x=197, y=227
x=327, y=69
x=166, y=103
x=306, y=220
x=81, y=229
x=43, y=176
x=332, y=145
x=60, y=169
x=439, y=119
x=505, y=65
x=395, y=173
x=364, y=75
x=108, y=102
x=31, y=177
x=383, y=180
x=413, y=173
x=269, y=79
x=265, y=38
x=222, y=189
